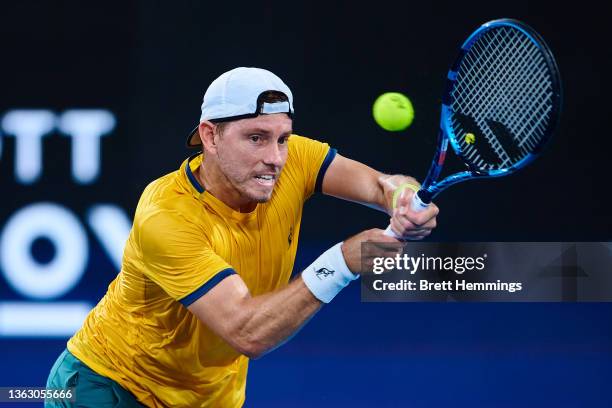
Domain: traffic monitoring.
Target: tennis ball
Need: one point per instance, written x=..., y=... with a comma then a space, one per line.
x=393, y=111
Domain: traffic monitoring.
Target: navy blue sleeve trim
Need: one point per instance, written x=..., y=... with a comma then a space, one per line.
x=211, y=283
x=328, y=159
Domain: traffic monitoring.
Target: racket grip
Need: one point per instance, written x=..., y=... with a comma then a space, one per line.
x=389, y=232
x=417, y=205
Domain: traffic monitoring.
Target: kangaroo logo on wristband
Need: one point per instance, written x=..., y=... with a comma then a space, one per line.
x=324, y=272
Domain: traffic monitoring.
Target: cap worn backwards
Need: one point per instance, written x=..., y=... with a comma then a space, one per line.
x=236, y=95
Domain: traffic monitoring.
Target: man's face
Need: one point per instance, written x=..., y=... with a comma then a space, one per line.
x=252, y=152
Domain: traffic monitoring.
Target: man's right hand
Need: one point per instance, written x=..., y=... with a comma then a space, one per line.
x=351, y=248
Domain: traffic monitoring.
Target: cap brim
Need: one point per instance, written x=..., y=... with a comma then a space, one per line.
x=193, y=140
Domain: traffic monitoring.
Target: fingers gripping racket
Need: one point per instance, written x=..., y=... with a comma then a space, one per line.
x=500, y=106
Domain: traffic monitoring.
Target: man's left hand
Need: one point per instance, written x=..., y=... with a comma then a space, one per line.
x=405, y=222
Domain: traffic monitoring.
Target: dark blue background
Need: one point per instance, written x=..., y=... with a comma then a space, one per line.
x=150, y=62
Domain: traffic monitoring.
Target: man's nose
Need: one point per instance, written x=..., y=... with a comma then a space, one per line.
x=273, y=155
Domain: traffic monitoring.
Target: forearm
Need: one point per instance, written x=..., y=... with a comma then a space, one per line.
x=354, y=181
x=267, y=321
x=254, y=325
x=262, y=323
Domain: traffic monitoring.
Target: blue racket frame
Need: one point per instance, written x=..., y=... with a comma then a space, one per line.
x=431, y=187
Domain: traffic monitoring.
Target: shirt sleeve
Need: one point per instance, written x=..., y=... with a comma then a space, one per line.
x=177, y=256
x=313, y=158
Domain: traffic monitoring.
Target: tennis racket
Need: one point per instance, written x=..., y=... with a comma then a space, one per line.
x=500, y=106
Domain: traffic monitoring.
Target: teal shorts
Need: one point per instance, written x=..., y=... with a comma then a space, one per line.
x=90, y=388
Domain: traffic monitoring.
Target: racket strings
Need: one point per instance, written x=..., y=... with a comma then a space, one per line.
x=517, y=84
x=504, y=88
x=491, y=64
x=506, y=76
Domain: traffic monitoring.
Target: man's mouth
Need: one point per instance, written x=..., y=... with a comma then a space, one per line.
x=265, y=179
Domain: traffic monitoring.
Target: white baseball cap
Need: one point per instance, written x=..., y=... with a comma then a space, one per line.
x=236, y=95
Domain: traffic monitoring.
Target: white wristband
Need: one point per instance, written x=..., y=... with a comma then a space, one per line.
x=328, y=274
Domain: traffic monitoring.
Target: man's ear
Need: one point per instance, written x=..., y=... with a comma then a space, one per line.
x=208, y=136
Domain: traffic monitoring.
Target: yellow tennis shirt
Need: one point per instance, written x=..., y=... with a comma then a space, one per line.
x=183, y=242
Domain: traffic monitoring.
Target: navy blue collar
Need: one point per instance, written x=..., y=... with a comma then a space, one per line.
x=192, y=178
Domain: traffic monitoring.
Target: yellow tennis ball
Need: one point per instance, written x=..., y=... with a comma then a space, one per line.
x=393, y=111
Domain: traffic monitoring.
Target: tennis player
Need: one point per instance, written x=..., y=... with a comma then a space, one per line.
x=205, y=280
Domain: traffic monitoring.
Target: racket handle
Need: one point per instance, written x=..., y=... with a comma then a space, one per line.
x=418, y=205
x=389, y=232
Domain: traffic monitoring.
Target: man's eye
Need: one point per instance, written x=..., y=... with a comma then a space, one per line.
x=282, y=140
x=255, y=138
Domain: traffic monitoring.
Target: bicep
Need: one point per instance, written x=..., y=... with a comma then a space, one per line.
x=351, y=180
